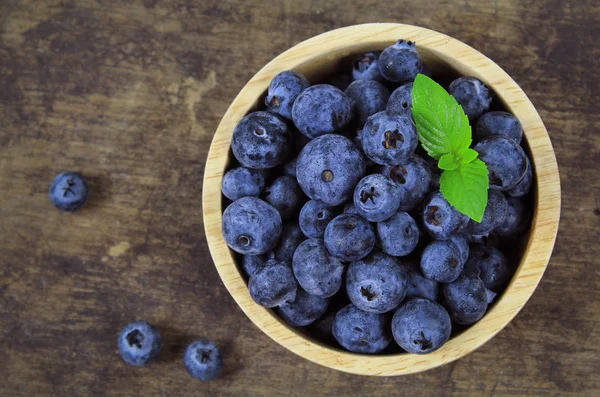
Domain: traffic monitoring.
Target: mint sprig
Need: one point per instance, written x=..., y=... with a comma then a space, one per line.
x=445, y=134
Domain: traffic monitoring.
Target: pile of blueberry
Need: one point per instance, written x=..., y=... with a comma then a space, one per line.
x=337, y=214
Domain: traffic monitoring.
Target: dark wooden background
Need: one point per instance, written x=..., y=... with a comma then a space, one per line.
x=130, y=92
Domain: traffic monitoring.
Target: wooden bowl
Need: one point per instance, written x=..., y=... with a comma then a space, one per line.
x=319, y=56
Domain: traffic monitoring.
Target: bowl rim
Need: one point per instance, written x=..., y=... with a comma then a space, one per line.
x=544, y=223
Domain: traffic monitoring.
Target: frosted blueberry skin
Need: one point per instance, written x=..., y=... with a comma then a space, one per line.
x=203, y=360
x=285, y=195
x=493, y=216
x=506, y=161
x=463, y=246
x=367, y=98
x=376, y=198
x=401, y=100
x=317, y=271
x=361, y=332
x=517, y=218
x=413, y=179
x=283, y=91
x=349, y=237
x=321, y=109
x=291, y=237
x=466, y=298
x=398, y=235
x=139, y=343
x=314, y=218
x=389, y=138
x=243, y=182
x=441, y=261
x=524, y=186
x=366, y=66
x=473, y=95
x=499, y=123
x=419, y=286
x=303, y=310
x=273, y=284
x=252, y=262
x=400, y=62
x=68, y=191
x=440, y=219
x=491, y=266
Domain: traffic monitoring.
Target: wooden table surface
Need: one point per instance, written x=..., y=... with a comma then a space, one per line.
x=130, y=92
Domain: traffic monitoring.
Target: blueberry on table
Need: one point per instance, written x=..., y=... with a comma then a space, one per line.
x=251, y=226
x=499, y=123
x=413, y=179
x=361, y=332
x=376, y=198
x=465, y=298
x=252, y=262
x=421, y=326
x=493, y=216
x=243, y=182
x=376, y=283
x=261, y=140
x=328, y=169
x=441, y=219
x=398, y=235
x=367, y=98
x=442, y=261
x=285, y=195
x=505, y=160
x=400, y=62
x=473, y=95
x=203, y=360
x=314, y=218
x=490, y=265
x=389, y=138
x=401, y=100
x=349, y=237
x=517, y=218
x=273, y=284
x=366, y=66
x=68, y=191
x=321, y=109
x=303, y=310
x=283, y=91
x=524, y=186
x=139, y=343
x=317, y=271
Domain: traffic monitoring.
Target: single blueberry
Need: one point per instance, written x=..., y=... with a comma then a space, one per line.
x=421, y=326
x=203, y=360
x=68, y=191
x=316, y=270
x=441, y=219
x=463, y=247
x=376, y=198
x=139, y=343
x=441, y=261
x=289, y=168
x=524, y=186
x=273, y=284
x=499, y=123
x=367, y=98
x=491, y=295
x=398, y=235
x=389, y=138
x=349, y=237
x=490, y=265
x=505, y=160
x=493, y=216
x=252, y=262
x=361, y=332
x=329, y=168
x=251, y=226
x=414, y=180
x=283, y=91
x=400, y=63
x=349, y=208
x=466, y=298
x=376, y=283
x=303, y=310
x=472, y=95
x=321, y=109
x=285, y=195
x=322, y=328
x=243, y=182
x=517, y=218
x=366, y=66
x=314, y=218
x=401, y=100
x=417, y=285
x=291, y=237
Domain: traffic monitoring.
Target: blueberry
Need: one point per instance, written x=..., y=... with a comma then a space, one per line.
x=321, y=109
x=524, y=186
x=303, y=310
x=441, y=219
x=421, y=326
x=243, y=182
x=261, y=140
x=314, y=218
x=465, y=298
x=285, y=195
x=252, y=262
x=389, y=138
x=349, y=208
x=367, y=98
x=349, y=237
x=494, y=215
x=328, y=169
x=316, y=270
x=417, y=285
x=289, y=168
x=441, y=261
x=463, y=247
x=472, y=95
x=361, y=332
x=499, y=123
x=273, y=284
x=291, y=237
x=139, y=343
x=400, y=63
x=398, y=235
x=517, y=218
x=491, y=295
x=251, y=226
x=322, y=328
x=376, y=283
x=68, y=191
x=283, y=91
x=490, y=265
x=376, y=198
x=366, y=66
x=505, y=160
x=413, y=179
x=401, y=100
x=203, y=360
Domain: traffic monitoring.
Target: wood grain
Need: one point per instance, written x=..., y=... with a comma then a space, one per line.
x=130, y=93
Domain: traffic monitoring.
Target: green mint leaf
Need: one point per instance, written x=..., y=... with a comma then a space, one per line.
x=441, y=122
x=465, y=156
x=466, y=188
x=449, y=162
